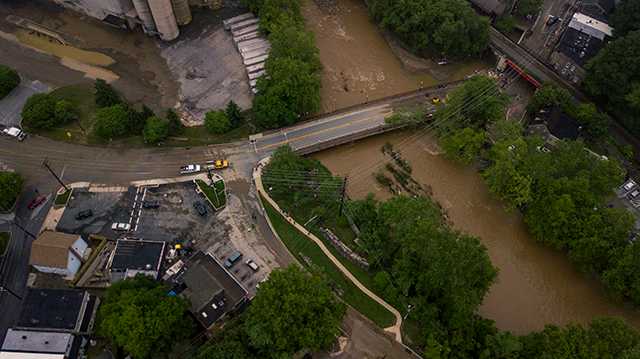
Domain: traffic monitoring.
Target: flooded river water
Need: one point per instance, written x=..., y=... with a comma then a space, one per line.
x=536, y=285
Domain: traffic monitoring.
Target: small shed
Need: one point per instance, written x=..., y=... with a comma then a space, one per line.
x=58, y=253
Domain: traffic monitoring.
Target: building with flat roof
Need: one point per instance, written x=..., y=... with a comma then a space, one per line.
x=211, y=289
x=58, y=253
x=23, y=344
x=588, y=25
x=60, y=310
x=133, y=257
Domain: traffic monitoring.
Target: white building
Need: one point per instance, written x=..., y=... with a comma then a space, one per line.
x=28, y=344
x=590, y=26
x=58, y=253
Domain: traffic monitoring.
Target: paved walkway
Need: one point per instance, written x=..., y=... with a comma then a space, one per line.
x=395, y=329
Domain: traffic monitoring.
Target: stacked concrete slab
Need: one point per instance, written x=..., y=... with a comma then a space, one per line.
x=253, y=47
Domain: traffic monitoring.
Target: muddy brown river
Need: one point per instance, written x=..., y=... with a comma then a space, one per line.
x=536, y=285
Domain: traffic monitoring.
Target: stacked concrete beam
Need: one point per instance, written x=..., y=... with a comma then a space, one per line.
x=251, y=45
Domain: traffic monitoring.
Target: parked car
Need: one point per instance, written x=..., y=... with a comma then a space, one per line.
x=84, y=214
x=251, y=264
x=200, y=208
x=121, y=226
x=188, y=169
x=232, y=259
x=14, y=132
x=151, y=204
x=36, y=202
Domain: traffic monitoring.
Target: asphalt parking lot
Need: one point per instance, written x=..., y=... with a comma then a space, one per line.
x=11, y=106
x=174, y=220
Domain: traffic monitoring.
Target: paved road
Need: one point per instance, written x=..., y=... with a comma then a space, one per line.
x=11, y=106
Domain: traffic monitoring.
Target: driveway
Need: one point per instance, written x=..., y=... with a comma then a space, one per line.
x=11, y=106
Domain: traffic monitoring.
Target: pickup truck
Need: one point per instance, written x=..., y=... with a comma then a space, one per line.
x=188, y=169
x=14, y=132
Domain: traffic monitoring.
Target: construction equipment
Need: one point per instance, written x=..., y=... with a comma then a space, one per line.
x=217, y=164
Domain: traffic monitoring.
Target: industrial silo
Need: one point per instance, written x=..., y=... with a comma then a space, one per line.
x=165, y=19
x=144, y=13
x=182, y=11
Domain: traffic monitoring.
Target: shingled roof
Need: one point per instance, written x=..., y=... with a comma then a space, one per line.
x=51, y=249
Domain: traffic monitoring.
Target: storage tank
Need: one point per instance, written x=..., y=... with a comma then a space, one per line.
x=165, y=19
x=182, y=11
x=144, y=13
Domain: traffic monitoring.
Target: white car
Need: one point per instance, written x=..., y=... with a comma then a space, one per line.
x=252, y=265
x=188, y=169
x=14, y=132
x=121, y=227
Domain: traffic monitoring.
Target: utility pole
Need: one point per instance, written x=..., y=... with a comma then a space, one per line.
x=342, y=196
x=24, y=229
x=45, y=163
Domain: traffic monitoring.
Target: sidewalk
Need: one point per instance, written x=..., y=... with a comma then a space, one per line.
x=395, y=329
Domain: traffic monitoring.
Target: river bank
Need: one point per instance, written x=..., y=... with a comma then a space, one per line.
x=536, y=285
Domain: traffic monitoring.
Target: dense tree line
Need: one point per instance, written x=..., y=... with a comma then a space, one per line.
x=115, y=118
x=626, y=17
x=292, y=312
x=139, y=317
x=10, y=187
x=220, y=122
x=613, y=76
x=440, y=28
x=290, y=90
x=9, y=80
x=43, y=112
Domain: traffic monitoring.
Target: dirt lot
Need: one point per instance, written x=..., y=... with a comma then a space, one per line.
x=201, y=69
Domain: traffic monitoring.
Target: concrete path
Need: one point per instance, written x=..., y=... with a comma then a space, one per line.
x=395, y=329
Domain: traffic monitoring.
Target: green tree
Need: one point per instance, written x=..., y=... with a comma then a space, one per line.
x=175, y=125
x=528, y=7
x=457, y=113
x=217, y=122
x=9, y=79
x=595, y=123
x=626, y=17
x=10, y=187
x=230, y=343
x=105, y=95
x=139, y=316
x=291, y=91
x=463, y=145
x=441, y=27
x=38, y=112
x=233, y=114
x=293, y=311
x=65, y=112
x=551, y=95
x=623, y=277
x=633, y=97
x=112, y=122
x=294, y=43
x=156, y=130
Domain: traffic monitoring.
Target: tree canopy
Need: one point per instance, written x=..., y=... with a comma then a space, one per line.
x=626, y=17
x=293, y=311
x=140, y=317
x=441, y=27
x=112, y=122
x=217, y=122
x=43, y=112
x=155, y=130
x=10, y=187
x=9, y=79
x=105, y=95
x=613, y=76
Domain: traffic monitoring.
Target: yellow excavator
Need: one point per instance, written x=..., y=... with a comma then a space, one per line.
x=218, y=164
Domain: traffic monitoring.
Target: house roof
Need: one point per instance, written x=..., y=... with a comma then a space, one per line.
x=51, y=249
x=53, y=309
x=37, y=342
x=208, y=285
x=137, y=255
x=562, y=125
x=591, y=26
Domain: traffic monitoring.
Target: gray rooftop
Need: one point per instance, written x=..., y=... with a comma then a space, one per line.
x=37, y=342
x=202, y=286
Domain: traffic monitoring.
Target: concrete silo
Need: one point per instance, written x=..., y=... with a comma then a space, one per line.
x=165, y=19
x=182, y=11
x=144, y=13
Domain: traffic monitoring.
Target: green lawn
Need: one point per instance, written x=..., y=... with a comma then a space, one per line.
x=61, y=199
x=214, y=193
x=4, y=241
x=308, y=253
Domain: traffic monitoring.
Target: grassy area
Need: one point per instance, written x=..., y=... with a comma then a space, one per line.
x=61, y=199
x=4, y=241
x=82, y=97
x=308, y=252
x=214, y=193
